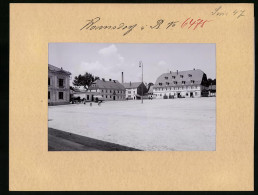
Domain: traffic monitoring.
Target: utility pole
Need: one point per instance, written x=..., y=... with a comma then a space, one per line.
x=141, y=66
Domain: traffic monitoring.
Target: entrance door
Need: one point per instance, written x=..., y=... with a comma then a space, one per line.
x=178, y=95
x=114, y=97
x=191, y=94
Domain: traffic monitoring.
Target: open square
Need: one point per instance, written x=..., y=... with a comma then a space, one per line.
x=156, y=125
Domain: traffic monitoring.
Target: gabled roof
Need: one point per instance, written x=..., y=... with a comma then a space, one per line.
x=132, y=85
x=167, y=79
x=150, y=89
x=56, y=69
x=100, y=84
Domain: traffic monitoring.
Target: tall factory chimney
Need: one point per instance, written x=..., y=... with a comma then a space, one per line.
x=122, y=77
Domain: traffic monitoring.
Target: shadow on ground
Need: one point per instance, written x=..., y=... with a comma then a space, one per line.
x=64, y=141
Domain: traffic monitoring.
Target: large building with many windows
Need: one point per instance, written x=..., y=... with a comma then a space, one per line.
x=58, y=86
x=109, y=90
x=180, y=84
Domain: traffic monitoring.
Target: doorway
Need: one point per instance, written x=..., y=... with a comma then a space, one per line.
x=114, y=97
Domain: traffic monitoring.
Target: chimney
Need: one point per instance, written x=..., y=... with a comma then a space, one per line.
x=122, y=77
x=130, y=83
x=176, y=71
x=170, y=71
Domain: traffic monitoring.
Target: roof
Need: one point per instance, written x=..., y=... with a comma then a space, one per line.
x=150, y=89
x=100, y=84
x=167, y=79
x=56, y=69
x=132, y=85
x=79, y=89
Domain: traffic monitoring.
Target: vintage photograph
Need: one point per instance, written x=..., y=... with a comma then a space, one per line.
x=132, y=97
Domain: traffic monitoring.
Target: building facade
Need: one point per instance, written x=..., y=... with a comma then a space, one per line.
x=58, y=86
x=150, y=93
x=134, y=90
x=110, y=90
x=180, y=84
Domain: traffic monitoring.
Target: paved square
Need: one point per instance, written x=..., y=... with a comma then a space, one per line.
x=156, y=125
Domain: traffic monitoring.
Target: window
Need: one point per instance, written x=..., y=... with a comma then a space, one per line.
x=166, y=77
x=106, y=91
x=49, y=81
x=192, y=81
x=173, y=77
x=49, y=95
x=175, y=82
x=129, y=92
x=167, y=83
x=183, y=82
x=110, y=92
x=160, y=84
x=61, y=95
x=189, y=75
x=133, y=92
x=61, y=82
x=129, y=96
x=106, y=96
x=186, y=94
x=102, y=91
x=181, y=76
x=196, y=93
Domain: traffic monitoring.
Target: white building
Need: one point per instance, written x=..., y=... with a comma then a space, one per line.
x=134, y=90
x=190, y=83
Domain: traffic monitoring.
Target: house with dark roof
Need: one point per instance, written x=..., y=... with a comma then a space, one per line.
x=212, y=90
x=189, y=83
x=134, y=90
x=150, y=93
x=58, y=85
x=109, y=90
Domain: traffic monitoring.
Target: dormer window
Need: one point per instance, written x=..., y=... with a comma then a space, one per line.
x=181, y=76
x=160, y=84
x=192, y=81
x=183, y=82
x=173, y=77
x=189, y=75
x=175, y=82
x=167, y=83
x=166, y=78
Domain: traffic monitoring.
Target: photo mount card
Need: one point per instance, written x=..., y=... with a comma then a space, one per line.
x=70, y=165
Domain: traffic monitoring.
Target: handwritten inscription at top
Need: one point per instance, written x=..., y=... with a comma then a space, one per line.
x=219, y=11
x=95, y=24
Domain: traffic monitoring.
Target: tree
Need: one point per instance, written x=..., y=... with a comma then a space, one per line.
x=84, y=80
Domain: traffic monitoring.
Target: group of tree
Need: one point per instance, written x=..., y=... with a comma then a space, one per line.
x=84, y=80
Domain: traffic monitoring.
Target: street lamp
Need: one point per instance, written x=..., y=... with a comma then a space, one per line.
x=141, y=66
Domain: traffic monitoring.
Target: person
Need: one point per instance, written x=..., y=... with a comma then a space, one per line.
x=99, y=103
x=91, y=104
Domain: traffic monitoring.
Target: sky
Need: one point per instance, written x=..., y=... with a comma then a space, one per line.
x=108, y=60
